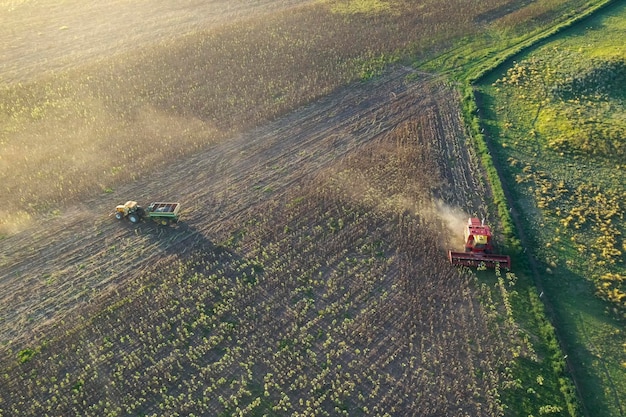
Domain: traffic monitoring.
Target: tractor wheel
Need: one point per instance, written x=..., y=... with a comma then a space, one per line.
x=119, y=215
x=134, y=218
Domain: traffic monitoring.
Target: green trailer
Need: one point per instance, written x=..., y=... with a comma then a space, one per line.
x=161, y=212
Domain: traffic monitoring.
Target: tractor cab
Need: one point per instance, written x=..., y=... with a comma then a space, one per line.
x=126, y=208
x=130, y=209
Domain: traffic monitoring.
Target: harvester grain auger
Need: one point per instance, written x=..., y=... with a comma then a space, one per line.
x=478, y=248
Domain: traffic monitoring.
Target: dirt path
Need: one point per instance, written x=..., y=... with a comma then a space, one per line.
x=40, y=36
x=62, y=264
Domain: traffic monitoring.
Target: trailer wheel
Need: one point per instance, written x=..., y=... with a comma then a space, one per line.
x=133, y=218
x=119, y=215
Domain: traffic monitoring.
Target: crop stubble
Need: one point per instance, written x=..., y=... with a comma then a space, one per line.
x=46, y=34
x=359, y=169
x=213, y=186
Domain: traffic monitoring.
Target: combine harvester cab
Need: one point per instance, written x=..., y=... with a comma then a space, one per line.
x=478, y=248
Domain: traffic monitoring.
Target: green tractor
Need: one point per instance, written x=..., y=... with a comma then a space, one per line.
x=160, y=212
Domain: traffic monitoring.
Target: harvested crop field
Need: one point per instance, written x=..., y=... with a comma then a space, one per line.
x=44, y=34
x=311, y=258
x=232, y=180
x=308, y=275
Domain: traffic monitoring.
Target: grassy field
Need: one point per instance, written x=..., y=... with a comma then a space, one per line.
x=557, y=119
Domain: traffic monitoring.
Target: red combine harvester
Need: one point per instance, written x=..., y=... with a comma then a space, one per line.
x=478, y=248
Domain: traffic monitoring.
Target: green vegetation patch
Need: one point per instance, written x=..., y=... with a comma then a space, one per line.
x=578, y=101
x=595, y=77
x=556, y=122
x=561, y=108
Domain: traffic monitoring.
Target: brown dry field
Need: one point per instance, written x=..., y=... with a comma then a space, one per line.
x=359, y=141
x=75, y=251
x=61, y=272
x=38, y=37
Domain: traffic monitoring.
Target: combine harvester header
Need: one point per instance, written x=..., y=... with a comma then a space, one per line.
x=478, y=248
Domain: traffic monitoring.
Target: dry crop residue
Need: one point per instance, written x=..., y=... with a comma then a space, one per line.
x=54, y=35
x=48, y=269
x=312, y=252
